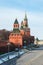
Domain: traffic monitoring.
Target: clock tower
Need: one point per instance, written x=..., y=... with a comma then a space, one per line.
x=25, y=21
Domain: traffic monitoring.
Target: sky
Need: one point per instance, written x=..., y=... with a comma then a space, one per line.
x=11, y=9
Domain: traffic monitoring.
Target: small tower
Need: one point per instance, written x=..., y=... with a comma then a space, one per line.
x=16, y=26
x=15, y=37
x=22, y=25
x=25, y=22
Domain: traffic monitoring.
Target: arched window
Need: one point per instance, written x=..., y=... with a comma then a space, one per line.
x=14, y=25
x=12, y=34
x=15, y=34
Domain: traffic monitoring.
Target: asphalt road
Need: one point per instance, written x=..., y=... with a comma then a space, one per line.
x=33, y=57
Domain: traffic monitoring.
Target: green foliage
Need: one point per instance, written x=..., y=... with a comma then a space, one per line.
x=4, y=35
x=37, y=39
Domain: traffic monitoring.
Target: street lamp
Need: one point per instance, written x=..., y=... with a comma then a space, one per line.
x=18, y=50
x=8, y=49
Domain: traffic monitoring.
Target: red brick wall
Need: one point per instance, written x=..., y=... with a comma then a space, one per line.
x=16, y=39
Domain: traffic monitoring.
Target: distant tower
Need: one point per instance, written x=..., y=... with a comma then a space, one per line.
x=16, y=26
x=22, y=25
x=25, y=22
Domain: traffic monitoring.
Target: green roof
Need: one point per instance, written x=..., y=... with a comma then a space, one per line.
x=16, y=21
x=16, y=30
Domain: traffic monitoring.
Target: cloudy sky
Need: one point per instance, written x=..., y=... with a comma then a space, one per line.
x=11, y=9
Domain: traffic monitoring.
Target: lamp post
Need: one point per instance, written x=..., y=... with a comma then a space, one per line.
x=8, y=49
x=19, y=50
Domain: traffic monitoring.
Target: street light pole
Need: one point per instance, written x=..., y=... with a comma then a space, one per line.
x=19, y=50
x=8, y=49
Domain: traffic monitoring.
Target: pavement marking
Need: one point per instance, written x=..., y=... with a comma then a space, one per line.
x=33, y=59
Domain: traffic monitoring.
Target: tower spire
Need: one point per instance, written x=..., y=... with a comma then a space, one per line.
x=25, y=23
x=25, y=17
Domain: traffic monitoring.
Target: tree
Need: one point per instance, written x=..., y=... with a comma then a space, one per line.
x=37, y=41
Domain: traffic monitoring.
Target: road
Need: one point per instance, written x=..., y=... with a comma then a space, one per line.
x=33, y=57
